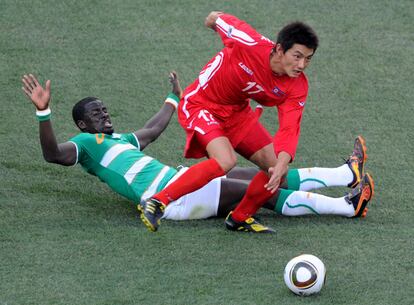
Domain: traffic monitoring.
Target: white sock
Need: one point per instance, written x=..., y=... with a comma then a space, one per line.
x=304, y=203
x=318, y=177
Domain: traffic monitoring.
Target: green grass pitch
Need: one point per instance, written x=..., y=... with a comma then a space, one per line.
x=65, y=238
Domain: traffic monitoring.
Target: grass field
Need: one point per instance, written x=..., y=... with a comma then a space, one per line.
x=65, y=238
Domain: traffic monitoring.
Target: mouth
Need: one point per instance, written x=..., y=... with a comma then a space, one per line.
x=108, y=124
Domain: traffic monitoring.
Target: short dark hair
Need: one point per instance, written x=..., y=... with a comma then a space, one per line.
x=297, y=32
x=78, y=110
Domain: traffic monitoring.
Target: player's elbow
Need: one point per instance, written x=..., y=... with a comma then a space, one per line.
x=59, y=160
x=49, y=158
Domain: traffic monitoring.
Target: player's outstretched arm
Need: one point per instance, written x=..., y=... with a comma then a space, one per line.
x=64, y=153
x=210, y=21
x=157, y=124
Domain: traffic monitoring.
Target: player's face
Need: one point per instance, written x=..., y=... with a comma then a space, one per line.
x=96, y=118
x=295, y=60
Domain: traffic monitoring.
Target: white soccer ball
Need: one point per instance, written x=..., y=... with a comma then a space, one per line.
x=305, y=274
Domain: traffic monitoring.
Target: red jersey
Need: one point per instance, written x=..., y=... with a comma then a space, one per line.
x=241, y=71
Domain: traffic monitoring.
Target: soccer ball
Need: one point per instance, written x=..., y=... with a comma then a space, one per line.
x=305, y=274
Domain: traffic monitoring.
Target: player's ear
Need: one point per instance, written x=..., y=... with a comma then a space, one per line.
x=279, y=49
x=81, y=124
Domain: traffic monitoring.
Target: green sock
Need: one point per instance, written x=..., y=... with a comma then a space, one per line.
x=293, y=179
x=283, y=194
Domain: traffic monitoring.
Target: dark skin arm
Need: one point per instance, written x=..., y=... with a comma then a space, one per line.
x=65, y=153
x=157, y=124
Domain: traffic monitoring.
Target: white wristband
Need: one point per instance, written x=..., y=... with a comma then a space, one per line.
x=172, y=102
x=172, y=99
x=45, y=112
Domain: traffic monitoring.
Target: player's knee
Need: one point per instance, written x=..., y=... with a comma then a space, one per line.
x=227, y=162
x=264, y=158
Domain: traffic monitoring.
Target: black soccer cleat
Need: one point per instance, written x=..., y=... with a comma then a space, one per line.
x=356, y=161
x=249, y=225
x=151, y=212
x=361, y=195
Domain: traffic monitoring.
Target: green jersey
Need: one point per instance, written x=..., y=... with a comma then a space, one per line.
x=118, y=161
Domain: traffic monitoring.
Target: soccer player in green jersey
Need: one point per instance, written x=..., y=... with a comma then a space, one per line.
x=118, y=160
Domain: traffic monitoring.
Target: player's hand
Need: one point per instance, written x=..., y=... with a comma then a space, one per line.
x=276, y=174
x=176, y=87
x=210, y=21
x=39, y=96
x=278, y=171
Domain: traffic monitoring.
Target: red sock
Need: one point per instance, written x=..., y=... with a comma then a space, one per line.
x=194, y=178
x=255, y=197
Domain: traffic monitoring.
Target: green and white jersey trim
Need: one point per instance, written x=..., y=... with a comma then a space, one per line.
x=117, y=160
x=136, y=168
x=114, y=152
x=152, y=189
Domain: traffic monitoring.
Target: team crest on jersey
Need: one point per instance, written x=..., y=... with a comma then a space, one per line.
x=278, y=92
x=301, y=104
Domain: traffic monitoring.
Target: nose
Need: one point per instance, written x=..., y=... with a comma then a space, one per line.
x=302, y=63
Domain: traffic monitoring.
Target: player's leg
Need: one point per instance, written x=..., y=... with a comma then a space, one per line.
x=298, y=203
x=211, y=140
x=242, y=173
x=306, y=179
x=349, y=174
x=221, y=159
x=201, y=204
x=232, y=192
x=256, y=146
x=216, y=198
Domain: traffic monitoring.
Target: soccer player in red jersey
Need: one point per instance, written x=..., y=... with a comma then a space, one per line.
x=215, y=113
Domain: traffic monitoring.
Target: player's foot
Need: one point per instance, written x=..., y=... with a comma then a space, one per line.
x=176, y=87
x=249, y=225
x=152, y=211
x=361, y=195
x=356, y=161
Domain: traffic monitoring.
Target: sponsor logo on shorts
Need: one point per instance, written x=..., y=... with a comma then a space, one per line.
x=278, y=92
x=245, y=68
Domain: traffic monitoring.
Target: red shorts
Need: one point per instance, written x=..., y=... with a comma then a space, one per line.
x=243, y=129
